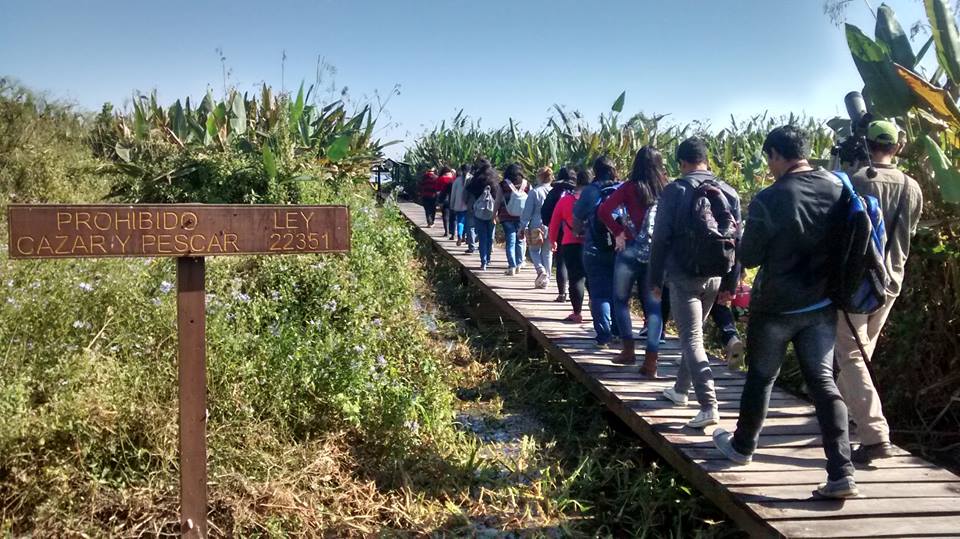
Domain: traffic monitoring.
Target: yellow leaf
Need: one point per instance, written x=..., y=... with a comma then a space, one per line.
x=937, y=100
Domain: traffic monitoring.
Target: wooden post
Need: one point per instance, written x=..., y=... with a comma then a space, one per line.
x=192, y=360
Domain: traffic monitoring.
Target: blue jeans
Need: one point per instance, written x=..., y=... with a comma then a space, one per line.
x=542, y=255
x=627, y=270
x=485, y=239
x=515, y=244
x=723, y=318
x=813, y=336
x=599, y=268
x=461, y=221
x=470, y=223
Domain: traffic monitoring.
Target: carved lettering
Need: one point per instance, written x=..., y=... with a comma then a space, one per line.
x=231, y=243
x=44, y=244
x=96, y=244
x=63, y=218
x=41, y=231
x=194, y=248
x=62, y=245
x=123, y=243
x=181, y=243
x=96, y=221
x=29, y=250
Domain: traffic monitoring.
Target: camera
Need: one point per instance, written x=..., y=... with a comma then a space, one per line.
x=850, y=152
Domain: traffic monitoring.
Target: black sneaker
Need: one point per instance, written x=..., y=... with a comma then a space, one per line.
x=864, y=454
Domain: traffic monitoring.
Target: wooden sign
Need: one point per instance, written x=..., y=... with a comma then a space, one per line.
x=189, y=232
x=47, y=231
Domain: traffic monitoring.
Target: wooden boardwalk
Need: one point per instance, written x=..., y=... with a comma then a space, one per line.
x=904, y=496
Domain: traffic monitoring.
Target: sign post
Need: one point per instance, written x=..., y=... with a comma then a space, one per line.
x=189, y=232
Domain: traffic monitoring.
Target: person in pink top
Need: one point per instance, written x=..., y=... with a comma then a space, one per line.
x=561, y=224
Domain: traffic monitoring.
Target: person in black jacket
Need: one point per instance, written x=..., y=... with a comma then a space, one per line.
x=788, y=234
x=565, y=183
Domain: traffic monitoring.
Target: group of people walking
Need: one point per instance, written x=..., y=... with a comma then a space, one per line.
x=684, y=246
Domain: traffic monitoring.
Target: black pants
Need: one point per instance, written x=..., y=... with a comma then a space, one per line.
x=430, y=206
x=561, y=264
x=813, y=335
x=573, y=257
x=449, y=220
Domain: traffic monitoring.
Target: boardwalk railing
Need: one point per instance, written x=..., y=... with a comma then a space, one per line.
x=903, y=496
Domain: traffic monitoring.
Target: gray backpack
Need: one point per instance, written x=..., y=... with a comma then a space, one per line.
x=484, y=206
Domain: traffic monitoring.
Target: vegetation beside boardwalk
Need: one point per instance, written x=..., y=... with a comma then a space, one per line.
x=336, y=405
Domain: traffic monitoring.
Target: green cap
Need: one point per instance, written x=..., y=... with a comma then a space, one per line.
x=883, y=132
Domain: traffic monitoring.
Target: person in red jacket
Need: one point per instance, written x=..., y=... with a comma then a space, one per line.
x=429, y=189
x=561, y=229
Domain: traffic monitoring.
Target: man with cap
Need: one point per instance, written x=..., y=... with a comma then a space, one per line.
x=901, y=201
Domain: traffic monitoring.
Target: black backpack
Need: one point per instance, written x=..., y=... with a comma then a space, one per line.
x=708, y=232
x=550, y=202
x=601, y=235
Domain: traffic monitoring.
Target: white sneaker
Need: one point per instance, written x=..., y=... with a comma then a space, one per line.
x=734, y=351
x=510, y=271
x=542, y=280
x=710, y=416
x=673, y=395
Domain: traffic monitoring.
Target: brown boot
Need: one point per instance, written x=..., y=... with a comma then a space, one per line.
x=649, y=368
x=628, y=356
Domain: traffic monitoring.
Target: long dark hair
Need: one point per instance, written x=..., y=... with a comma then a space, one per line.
x=584, y=178
x=604, y=170
x=514, y=174
x=649, y=174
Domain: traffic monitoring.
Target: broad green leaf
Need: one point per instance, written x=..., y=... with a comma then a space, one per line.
x=238, y=113
x=936, y=100
x=890, y=34
x=220, y=114
x=945, y=36
x=269, y=162
x=296, y=109
x=618, y=104
x=947, y=176
x=206, y=106
x=210, y=134
x=886, y=90
x=140, y=126
x=178, y=122
x=339, y=148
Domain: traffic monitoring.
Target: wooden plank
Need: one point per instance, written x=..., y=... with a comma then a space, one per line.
x=769, y=453
x=767, y=462
x=817, y=508
x=927, y=526
x=780, y=493
x=740, y=475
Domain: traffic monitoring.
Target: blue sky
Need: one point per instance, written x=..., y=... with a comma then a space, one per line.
x=694, y=59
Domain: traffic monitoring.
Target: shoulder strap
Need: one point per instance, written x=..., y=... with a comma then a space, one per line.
x=896, y=215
